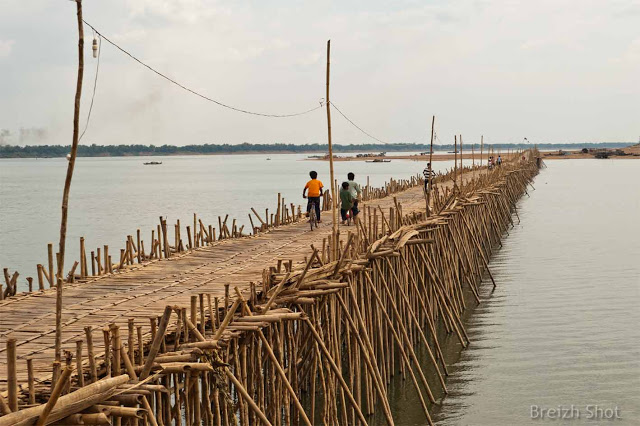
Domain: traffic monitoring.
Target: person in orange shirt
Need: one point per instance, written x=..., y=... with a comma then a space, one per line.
x=315, y=192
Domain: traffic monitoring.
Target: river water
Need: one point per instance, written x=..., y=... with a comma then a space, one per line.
x=563, y=326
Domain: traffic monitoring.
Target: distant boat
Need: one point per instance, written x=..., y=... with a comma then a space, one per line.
x=268, y=158
x=378, y=160
x=152, y=163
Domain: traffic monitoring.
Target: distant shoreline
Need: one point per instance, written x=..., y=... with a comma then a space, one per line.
x=98, y=151
x=627, y=152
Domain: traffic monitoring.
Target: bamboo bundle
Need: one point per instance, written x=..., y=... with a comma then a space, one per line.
x=67, y=404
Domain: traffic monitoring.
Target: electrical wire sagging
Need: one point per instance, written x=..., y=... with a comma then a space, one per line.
x=354, y=124
x=207, y=98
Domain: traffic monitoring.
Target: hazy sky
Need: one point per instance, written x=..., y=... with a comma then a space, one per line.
x=551, y=71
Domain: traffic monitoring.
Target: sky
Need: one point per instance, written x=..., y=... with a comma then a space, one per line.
x=551, y=71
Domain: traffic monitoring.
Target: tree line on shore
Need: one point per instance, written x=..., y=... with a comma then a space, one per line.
x=45, y=151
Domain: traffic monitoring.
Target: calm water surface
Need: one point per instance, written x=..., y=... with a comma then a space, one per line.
x=563, y=325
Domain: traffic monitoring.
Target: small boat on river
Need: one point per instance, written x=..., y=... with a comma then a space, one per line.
x=152, y=163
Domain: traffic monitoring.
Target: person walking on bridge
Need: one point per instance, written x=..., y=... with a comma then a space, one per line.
x=346, y=203
x=429, y=174
x=356, y=194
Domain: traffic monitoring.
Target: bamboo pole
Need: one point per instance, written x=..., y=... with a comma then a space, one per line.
x=40, y=277
x=147, y=407
x=157, y=341
x=31, y=382
x=336, y=370
x=368, y=356
x=50, y=260
x=455, y=161
x=411, y=313
x=461, y=165
x=79, y=371
x=90, y=354
x=67, y=183
x=430, y=181
x=241, y=389
x=276, y=363
x=74, y=402
x=57, y=390
x=12, y=380
x=227, y=320
x=334, y=216
x=83, y=259
x=4, y=407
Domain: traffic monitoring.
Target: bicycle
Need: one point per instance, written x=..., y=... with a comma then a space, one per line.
x=313, y=220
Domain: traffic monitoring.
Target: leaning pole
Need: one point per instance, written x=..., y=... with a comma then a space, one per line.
x=67, y=182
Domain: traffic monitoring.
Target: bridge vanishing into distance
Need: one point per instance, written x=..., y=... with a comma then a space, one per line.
x=287, y=326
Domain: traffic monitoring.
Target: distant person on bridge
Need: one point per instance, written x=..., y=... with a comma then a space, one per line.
x=356, y=193
x=315, y=192
x=429, y=174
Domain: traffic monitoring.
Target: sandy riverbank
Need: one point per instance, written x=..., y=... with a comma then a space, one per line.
x=416, y=157
x=630, y=152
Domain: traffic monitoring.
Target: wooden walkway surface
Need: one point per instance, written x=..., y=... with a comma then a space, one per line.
x=144, y=291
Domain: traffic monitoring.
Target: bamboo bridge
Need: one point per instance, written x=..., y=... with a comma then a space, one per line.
x=285, y=326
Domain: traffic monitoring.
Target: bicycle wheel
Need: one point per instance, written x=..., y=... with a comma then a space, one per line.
x=312, y=218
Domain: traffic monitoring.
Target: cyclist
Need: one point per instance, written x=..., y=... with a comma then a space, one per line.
x=315, y=192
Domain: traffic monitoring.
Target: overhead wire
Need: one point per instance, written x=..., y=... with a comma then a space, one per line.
x=205, y=97
x=354, y=124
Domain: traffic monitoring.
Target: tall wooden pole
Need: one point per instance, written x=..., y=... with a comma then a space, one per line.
x=481, y=146
x=455, y=160
x=333, y=192
x=473, y=156
x=67, y=182
x=461, y=166
x=433, y=123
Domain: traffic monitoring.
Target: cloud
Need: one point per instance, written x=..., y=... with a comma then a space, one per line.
x=184, y=11
x=130, y=36
x=632, y=53
x=6, y=46
x=309, y=59
x=492, y=67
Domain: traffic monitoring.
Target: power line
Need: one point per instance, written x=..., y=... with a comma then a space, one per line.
x=93, y=95
x=354, y=124
x=193, y=91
